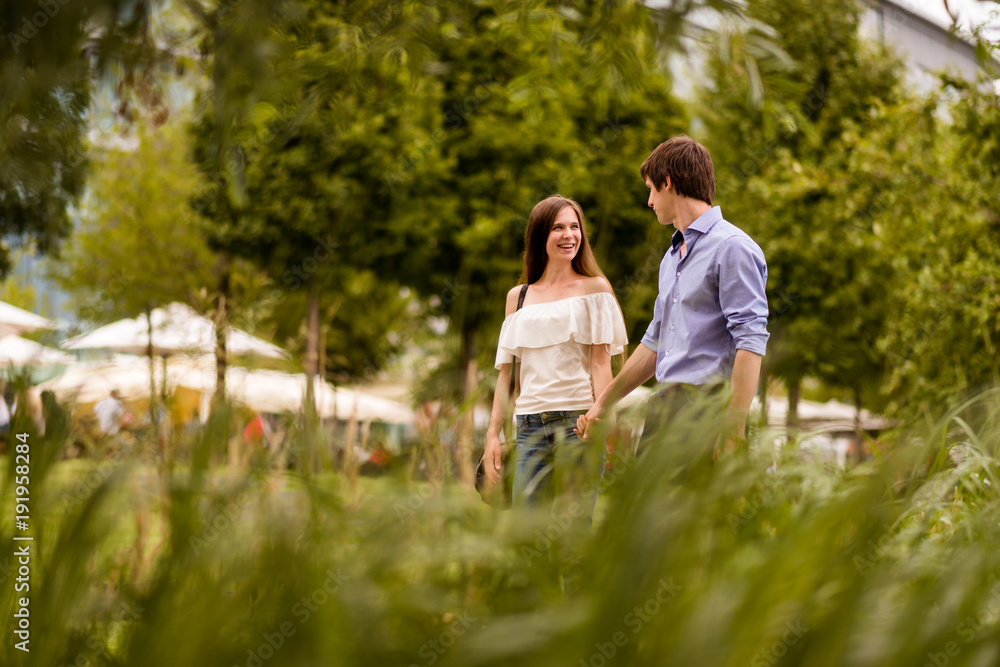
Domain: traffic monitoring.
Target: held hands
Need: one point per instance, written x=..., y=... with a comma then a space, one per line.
x=594, y=422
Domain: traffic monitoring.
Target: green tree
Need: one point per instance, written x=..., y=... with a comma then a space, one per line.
x=53, y=57
x=943, y=336
x=135, y=246
x=294, y=170
x=788, y=175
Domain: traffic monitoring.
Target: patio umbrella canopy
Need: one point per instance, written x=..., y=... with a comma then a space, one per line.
x=274, y=391
x=258, y=390
x=177, y=328
x=14, y=320
x=23, y=352
x=88, y=382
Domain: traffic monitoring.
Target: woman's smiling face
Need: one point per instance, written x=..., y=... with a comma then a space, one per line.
x=565, y=235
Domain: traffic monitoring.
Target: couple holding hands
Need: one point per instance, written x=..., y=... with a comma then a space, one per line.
x=563, y=324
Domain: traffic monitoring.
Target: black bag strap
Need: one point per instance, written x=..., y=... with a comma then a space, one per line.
x=516, y=370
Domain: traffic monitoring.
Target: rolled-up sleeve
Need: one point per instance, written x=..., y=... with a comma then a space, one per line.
x=651, y=339
x=742, y=275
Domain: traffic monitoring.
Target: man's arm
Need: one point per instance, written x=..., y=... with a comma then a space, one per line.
x=639, y=368
x=742, y=296
x=746, y=374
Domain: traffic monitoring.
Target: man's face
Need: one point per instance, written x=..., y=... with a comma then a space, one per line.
x=663, y=202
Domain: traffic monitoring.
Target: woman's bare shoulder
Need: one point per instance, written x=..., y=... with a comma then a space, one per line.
x=512, y=296
x=596, y=285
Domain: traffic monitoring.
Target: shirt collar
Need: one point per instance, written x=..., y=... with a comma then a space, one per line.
x=707, y=220
x=702, y=224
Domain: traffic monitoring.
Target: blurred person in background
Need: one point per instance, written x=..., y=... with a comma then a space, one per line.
x=33, y=404
x=4, y=419
x=111, y=413
x=257, y=432
x=563, y=324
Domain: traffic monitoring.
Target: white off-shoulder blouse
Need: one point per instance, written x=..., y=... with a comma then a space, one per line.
x=552, y=341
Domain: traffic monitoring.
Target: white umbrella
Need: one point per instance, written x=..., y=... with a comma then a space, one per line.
x=353, y=404
x=273, y=391
x=14, y=320
x=23, y=352
x=259, y=390
x=176, y=329
x=88, y=382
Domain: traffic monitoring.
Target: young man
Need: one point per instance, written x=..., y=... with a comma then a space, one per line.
x=710, y=318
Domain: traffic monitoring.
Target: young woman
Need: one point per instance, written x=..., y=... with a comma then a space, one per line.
x=563, y=325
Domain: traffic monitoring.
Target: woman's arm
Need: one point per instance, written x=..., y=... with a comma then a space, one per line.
x=600, y=368
x=502, y=404
x=499, y=418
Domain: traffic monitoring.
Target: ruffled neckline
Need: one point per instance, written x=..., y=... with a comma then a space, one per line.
x=588, y=319
x=552, y=303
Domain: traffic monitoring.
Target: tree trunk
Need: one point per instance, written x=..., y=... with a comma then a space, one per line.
x=467, y=428
x=312, y=346
x=859, y=438
x=321, y=371
x=792, y=419
x=312, y=367
x=221, y=326
x=151, y=352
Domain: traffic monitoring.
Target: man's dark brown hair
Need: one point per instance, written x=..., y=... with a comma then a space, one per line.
x=688, y=165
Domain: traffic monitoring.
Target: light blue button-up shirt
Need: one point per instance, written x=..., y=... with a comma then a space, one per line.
x=711, y=303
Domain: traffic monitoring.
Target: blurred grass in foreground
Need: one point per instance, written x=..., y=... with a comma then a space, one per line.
x=761, y=559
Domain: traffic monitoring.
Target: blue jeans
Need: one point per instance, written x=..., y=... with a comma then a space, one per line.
x=551, y=460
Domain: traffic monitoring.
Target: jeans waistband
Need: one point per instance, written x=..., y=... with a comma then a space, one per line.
x=549, y=417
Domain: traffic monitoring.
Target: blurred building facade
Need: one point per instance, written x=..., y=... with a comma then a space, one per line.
x=925, y=44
